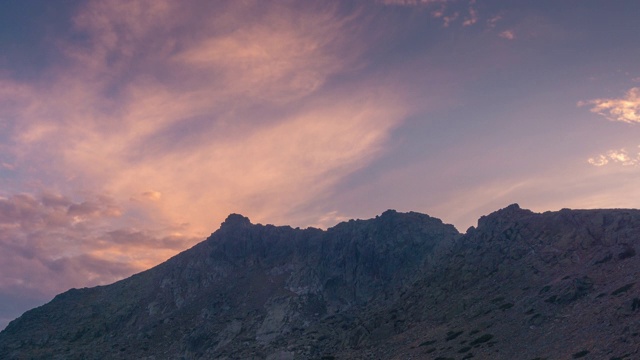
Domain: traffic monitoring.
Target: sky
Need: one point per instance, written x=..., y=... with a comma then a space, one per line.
x=129, y=129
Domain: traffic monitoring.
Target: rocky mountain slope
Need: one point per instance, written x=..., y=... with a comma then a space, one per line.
x=522, y=285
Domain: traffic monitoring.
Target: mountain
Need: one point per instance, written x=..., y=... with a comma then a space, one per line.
x=522, y=285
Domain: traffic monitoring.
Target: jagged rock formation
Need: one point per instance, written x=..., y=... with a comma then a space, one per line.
x=522, y=285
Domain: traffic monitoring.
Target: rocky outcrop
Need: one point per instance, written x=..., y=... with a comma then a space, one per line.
x=536, y=286
x=520, y=285
x=245, y=292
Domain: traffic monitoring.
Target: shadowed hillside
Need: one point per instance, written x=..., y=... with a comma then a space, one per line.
x=522, y=285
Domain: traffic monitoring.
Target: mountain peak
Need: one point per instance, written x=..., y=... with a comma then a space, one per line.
x=505, y=215
x=236, y=220
x=512, y=209
x=389, y=212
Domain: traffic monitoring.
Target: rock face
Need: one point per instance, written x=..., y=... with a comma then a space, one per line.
x=522, y=285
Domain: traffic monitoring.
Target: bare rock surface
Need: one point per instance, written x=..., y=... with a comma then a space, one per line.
x=522, y=285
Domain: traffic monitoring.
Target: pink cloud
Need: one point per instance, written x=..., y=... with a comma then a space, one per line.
x=447, y=20
x=179, y=126
x=472, y=18
x=443, y=9
x=507, y=34
x=624, y=109
x=127, y=143
x=618, y=156
x=40, y=235
x=493, y=21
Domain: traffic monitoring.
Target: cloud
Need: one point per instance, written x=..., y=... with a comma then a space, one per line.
x=280, y=62
x=7, y=166
x=152, y=195
x=599, y=160
x=210, y=119
x=329, y=219
x=620, y=156
x=449, y=19
x=493, y=21
x=150, y=132
x=49, y=236
x=507, y=34
x=473, y=15
x=625, y=109
x=88, y=209
x=447, y=10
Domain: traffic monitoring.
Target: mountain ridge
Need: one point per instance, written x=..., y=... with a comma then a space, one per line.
x=372, y=288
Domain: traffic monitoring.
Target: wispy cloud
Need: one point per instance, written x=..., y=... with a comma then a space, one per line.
x=508, y=34
x=150, y=132
x=207, y=122
x=330, y=219
x=50, y=233
x=619, y=156
x=447, y=10
x=625, y=109
x=472, y=18
x=449, y=19
x=493, y=21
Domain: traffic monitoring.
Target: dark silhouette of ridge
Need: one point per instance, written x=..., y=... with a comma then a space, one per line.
x=520, y=285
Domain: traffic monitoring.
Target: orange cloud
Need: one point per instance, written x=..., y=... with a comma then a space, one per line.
x=264, y=172
x=180, y=126
x=620, y=156
x=152, y=195
x=40, y=235
x=277, y=61
x=625, y=109
x=193, y=141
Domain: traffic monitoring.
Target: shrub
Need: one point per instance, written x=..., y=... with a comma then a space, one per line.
x=506, y=306
x=428, y=342
x=482, y=339
x=580, y=354
x=622, y=289
x=453, y=334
